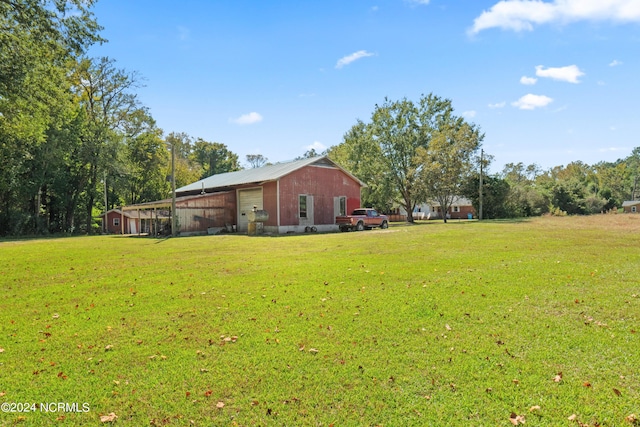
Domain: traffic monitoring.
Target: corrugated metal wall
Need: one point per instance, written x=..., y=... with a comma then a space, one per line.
x=198, y=214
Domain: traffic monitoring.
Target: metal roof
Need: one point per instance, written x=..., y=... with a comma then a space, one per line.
x=257, y=175
x=630, y=203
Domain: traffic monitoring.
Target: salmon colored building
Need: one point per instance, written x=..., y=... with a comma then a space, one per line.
x=296, y=196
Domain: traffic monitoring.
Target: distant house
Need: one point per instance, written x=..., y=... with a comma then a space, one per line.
x=632, y=206
x=296, y=195
x=461, y=208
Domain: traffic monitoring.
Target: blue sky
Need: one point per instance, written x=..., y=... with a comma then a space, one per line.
x=549, y=82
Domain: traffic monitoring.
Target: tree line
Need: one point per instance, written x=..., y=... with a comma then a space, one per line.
x=74, y=138
x=75, y=141
x=411, y=153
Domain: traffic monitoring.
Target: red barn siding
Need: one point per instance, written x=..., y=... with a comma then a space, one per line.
x=270, y=202
x=323, y=183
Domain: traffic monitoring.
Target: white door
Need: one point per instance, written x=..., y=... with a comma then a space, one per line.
x=247, y=199
x=132, y=226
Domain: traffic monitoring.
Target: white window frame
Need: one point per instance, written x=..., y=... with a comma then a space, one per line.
x=306, y=206
x=116, y=221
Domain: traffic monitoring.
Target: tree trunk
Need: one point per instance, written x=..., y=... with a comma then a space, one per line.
x=409, y=206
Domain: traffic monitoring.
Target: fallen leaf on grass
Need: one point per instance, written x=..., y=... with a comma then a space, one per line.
x=633, y=419
x=220, y=405
x=572, y=417
x=534, y=408
x=111, y=417
x=586, y=384
x=617, y=392
x=1, y=350
x=313, y=350
x=516, y=419
x=558, y=377
x=208, y=393
x=108, y=347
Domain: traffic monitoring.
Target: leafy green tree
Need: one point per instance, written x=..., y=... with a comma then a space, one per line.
x=147, y=158
x=186, y=170
x=573, y=189
x=111, y=110
x=362, y=156
x=495, y=192
x=447, y=162
x=214, y=157
x=387, y=148
x=525, y=198
x=38, y=42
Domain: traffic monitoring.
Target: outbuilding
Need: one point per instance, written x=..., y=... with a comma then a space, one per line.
x=297, y=196
x=631, y=206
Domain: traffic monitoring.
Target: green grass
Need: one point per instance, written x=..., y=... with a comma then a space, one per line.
x=462, y=323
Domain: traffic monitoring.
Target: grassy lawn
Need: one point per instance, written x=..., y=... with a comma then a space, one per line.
x=463, y=323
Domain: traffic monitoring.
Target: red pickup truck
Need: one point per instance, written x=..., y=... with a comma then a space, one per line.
x=362, y=218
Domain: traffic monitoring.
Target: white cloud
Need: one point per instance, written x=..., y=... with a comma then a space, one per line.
x=247, y=119
x=425, y=2
x=317, y=145
x=615, y=63
x=346, y=60
x=470, y=114
x=531, y=102
x=528, y=80
x=521, y=15
x=498, y=105
x=570, y=73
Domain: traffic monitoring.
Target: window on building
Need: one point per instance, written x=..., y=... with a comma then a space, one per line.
x=303, y=206
x=343, y=206
x=116, y=221
x=455, y=209
x=633, y=209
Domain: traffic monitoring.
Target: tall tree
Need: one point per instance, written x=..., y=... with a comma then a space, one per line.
x=362, y=156
x=187, y=171
x=447, y=162
x=387, y=147
x=256, y=160
x=524, y=198
x=214, y=157
x=38, y=41
x=109, y=103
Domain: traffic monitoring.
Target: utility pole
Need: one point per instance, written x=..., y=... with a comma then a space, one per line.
x=174, y=231
x=106, y=206
x=480, y=189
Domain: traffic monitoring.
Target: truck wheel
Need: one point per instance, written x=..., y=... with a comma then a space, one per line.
x=360, y=226
x=384, y=225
